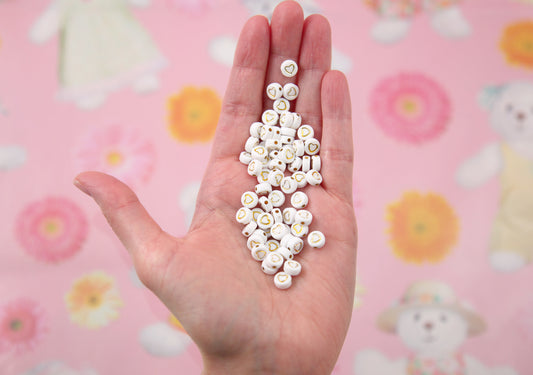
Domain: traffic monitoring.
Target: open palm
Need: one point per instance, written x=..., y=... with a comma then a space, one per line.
x=240, y=321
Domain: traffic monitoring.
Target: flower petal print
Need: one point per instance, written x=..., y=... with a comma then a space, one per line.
x=193, y=114
x=517, y=44
x=410, y=107
x=22, y=325
x=93, y=300
x=422, y=228
x=122, y=153
x=52, y=229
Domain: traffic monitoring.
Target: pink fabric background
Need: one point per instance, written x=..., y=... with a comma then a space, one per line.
x=51, y=131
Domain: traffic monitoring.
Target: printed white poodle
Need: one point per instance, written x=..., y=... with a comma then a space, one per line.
x=433, y=324
x=396, y=18
x=511, y=115
x=102, y=48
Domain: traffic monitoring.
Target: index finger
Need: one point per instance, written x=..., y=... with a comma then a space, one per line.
x=243, y=100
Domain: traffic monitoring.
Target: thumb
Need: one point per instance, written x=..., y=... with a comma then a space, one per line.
x=147, y=243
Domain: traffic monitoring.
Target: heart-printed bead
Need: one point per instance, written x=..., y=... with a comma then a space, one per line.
x=289, y=68
x=312, y=146
x=316, y=239
x=270, y=117
x=282, y=105
x=292, y=267
x=283, y=280
x=274, y=91
x=244, y=215
x=290, y=91
x=249, y=199
x=305, y=132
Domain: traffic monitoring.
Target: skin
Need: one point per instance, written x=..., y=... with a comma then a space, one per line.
x=240, y=321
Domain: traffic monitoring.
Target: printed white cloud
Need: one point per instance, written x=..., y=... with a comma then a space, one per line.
x=12, y=157
x=340, y=61
x=222, y=48
x=134, y=278
x=57, y=368
x=161, y=340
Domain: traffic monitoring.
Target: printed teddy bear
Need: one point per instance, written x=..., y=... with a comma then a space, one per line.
x=102, y=48
x=396, y=17
x=511, y=115
x=433, y=324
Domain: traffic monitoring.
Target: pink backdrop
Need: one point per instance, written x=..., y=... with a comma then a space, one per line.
x=47, y=244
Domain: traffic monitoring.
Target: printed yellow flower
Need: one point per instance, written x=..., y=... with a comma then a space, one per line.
x=422, y=227
x=517, y=44
x=93, y=301
x=175, y=323
x=193, y=114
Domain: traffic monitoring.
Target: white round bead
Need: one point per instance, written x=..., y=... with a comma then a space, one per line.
x=316, y=239
x=313, y=177
x=272, y=245
x=254, y=239
x=260, y=153
x=244, y=215
x=286, y=119
x=286, y=154
x=295, y=244
x=281, y=105
x=265, y=221
x=263, y=176
x=299, y=147
x=300, y=179
x=277, y=164
x=277, y=198
x=249, y=199
x=292, y=267
x=305, y=132
x=290, y=91
x=289, y=214
x=261, y=233
x=288, y=185
x=249, y=229
x=270, y=117
x=268, y=269
x=306, y=163
x=259, y=252
x=274, y=154
x=245, y=157
x=250, y=143
x=254, y=168
x=255, y=129
x=272, y=144
x=274, y=91
x=266, y=205
x=299, y=230
x=312, y=146
x=283, y=280
x=316, y=163
x=274, y=260
x=295, y=165
x=275, y=177
x=303, y=217
x=289, y=68
x=278, y=216
x=288, y=131
x=263, y=188
x=279, y=230
x=256, y=212
x=299, y=199
x=297, y=120
x=285, y=253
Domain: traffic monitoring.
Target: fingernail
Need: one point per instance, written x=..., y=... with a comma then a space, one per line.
x=81, y=186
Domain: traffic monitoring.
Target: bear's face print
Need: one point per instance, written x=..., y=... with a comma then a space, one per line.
x=512, y=112
x=431, y=331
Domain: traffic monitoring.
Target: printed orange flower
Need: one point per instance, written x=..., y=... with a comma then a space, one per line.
x=517, y=44
x=93, y=300
x=422, y=228
x=193, y=114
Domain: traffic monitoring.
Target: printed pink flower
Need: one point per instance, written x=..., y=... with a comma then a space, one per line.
x=410, y=107
x=52, y=229
x=22, y=325
x=122, y=153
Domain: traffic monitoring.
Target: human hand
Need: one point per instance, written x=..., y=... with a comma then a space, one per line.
x=240, y=321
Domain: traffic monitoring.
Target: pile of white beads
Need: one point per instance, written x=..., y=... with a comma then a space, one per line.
x=281, y=153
